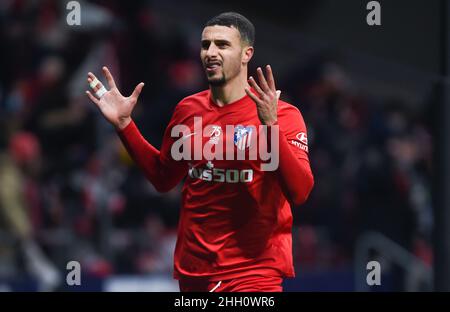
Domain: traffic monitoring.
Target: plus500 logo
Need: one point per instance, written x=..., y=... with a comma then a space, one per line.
x=222, y=175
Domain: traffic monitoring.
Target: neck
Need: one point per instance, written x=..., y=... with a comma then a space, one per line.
x=231, y=91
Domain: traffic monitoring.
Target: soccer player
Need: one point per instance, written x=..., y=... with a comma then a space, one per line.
x=234, y=232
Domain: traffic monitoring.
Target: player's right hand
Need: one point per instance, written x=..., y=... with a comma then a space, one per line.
x=114, y=106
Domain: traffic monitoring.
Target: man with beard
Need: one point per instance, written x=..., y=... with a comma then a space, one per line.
x=235, y=225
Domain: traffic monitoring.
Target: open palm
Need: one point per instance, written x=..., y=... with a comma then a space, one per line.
x=115, y=107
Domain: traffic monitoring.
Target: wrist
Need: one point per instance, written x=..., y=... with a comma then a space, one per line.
x=123, y=123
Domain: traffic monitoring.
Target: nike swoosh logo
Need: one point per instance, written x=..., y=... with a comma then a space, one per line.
x=215, y=287
x=188, y=135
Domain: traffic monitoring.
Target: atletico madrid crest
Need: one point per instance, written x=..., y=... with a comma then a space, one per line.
x=242, y=137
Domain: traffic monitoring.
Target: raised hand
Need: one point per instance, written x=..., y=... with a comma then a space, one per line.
x=267, y=98
x=115, y=107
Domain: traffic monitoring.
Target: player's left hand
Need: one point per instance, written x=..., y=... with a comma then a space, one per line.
x=267, y=98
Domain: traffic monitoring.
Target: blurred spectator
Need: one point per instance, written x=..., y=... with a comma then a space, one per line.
x=20, y=204
x=66, y=182
x=371, y=164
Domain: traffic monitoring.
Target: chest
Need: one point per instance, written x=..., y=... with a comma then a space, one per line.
x=224, y=136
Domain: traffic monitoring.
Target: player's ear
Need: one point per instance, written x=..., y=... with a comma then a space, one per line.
x=247, y=53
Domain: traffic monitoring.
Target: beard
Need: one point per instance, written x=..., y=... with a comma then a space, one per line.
x=220, y=78
x=217, y=82
x=216, y=79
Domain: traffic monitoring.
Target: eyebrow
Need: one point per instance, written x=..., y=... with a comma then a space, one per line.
x=216, y=41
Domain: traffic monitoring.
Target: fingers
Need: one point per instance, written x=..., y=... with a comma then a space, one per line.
x=270, y=79
x=91, y=76
x=137, y=90
x=94, y=83
x=93, y=98
x=255, y=86
x=262, y=80
x=278, y=94
x=270, y=83
x=252, y=95
x=109, y=77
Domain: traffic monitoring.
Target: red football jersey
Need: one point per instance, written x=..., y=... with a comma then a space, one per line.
x=235, y=218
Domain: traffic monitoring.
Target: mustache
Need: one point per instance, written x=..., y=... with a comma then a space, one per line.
x=212, y=62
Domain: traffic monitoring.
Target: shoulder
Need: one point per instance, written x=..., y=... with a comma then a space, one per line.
x=286, y=109
x=191, y=105
x=199, y=97
x=290, y=118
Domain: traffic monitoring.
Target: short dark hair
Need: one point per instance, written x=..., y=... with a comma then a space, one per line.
x=238, y=21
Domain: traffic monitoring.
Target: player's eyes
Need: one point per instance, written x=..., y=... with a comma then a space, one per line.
x=220, y=45
x=223, y=45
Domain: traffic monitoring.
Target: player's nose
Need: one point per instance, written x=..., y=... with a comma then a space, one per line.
x=212, y=50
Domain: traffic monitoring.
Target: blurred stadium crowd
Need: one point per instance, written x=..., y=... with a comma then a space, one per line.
x=69, y=191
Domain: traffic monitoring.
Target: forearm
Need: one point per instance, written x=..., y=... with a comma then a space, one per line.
x=294, y=172
x=148, y=158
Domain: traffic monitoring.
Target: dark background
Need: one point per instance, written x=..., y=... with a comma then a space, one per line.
x=373, y=99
